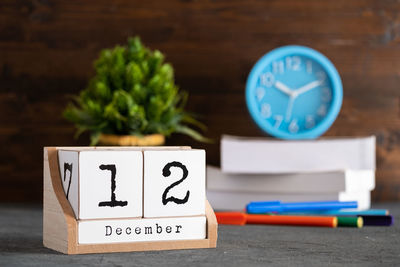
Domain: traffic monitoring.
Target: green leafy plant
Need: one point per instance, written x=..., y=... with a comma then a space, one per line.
x=132, y=93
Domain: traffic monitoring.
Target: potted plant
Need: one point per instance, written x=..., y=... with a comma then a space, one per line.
x=132, y=99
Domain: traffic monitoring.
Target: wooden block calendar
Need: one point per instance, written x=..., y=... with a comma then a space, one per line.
x=114, y=199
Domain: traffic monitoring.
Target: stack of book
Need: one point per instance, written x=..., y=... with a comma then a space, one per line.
x=261, y=169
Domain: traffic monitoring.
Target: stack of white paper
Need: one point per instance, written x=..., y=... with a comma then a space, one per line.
x=261, y=169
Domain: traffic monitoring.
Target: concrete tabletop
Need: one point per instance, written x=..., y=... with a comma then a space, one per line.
x=251, y=245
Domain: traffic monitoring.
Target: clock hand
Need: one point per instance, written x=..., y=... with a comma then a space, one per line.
x=307, y=88
x=290, y=108
x=283, y=88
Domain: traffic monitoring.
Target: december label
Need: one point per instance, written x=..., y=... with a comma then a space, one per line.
x=136, y=230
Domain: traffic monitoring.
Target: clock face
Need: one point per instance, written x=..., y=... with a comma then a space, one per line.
x=294, y=92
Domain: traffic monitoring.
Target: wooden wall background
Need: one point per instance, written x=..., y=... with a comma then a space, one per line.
x=47, y=49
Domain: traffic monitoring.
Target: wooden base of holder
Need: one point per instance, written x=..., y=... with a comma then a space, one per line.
x=60, y=228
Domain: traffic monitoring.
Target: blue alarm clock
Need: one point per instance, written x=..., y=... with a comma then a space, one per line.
x=294, y=92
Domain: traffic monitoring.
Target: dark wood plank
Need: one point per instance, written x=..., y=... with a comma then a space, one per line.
x=47, y=50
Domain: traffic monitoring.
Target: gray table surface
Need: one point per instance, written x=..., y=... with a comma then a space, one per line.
x=251, y=245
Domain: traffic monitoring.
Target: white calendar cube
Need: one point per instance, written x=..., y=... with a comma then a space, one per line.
x=174, y=183
x=103, y=183
x=69, y=167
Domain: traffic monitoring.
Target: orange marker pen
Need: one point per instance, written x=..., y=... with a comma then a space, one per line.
x=239, y=218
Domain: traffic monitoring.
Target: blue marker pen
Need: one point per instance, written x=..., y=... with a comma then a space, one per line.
x=268, y=207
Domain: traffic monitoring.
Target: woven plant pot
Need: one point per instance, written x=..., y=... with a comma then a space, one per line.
x=132, y=140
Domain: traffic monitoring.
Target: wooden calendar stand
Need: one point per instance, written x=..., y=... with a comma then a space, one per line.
x=60, y=228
